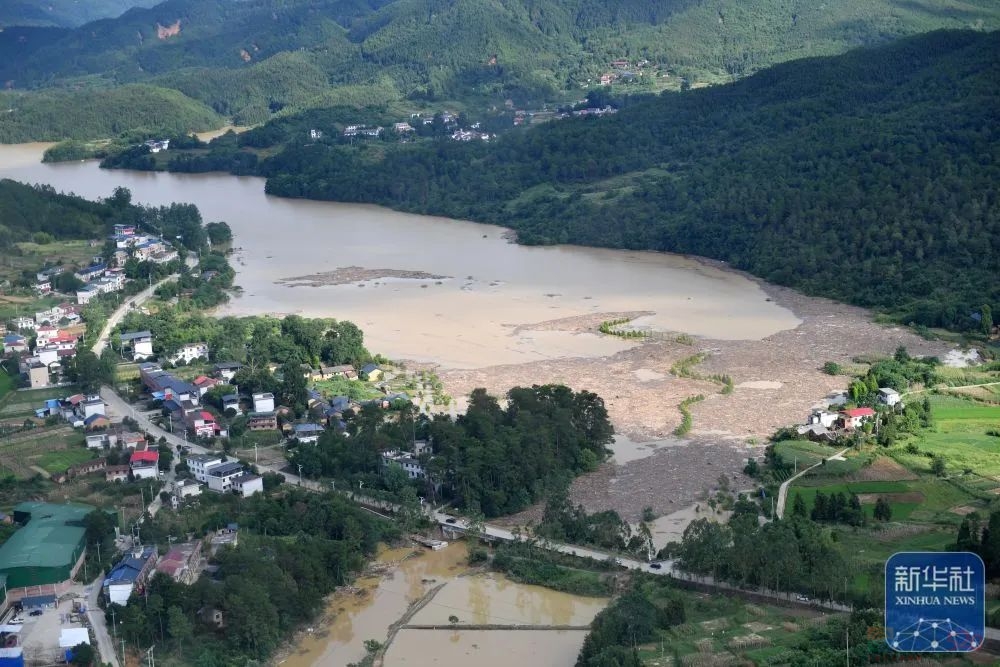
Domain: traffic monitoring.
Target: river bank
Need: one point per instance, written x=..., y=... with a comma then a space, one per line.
x=516, y=315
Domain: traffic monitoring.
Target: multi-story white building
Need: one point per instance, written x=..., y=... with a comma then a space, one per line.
x=200, y=463
x=220, y=477
x=263, y=402
x=189, y=352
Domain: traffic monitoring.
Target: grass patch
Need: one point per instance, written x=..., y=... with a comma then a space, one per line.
x=354, y=389
x=925, y=500
x=959, y=436
x=59, y=461
x=713, y=620
x=7, y=384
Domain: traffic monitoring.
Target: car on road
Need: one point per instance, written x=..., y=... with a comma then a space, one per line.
x=450, y=519
x=36, y=612
x=655, y=566
x=802, y=598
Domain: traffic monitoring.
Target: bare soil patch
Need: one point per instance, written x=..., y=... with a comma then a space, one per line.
x=715, y=624
x=962, y=510
x=727, y=428
x=883, y=469
x=346, y=275
x=757, y=627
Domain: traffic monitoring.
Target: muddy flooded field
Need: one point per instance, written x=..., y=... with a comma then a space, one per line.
x=431, y=604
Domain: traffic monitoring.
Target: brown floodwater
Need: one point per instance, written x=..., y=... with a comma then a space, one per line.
x=474, y=317
x=476, y=599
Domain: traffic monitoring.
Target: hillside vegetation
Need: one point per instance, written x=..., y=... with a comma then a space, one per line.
x=868, y=177
x=38, y=209
x=63, y=13
x=54, y=115
x=252, y=59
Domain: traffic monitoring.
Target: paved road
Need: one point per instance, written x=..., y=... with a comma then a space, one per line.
x=97, y=622
x=134, y=301
x=779, y=511
x=118, y=408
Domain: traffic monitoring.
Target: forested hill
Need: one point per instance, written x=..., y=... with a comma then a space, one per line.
x=26, y=209
x=251, y=59
x=63, y=13
x=869, y=177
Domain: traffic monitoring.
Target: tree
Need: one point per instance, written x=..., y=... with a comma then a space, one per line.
x=179, y=626
x=883, y=510
x=986, y=320
x=938, y=466
x=294, y=391
x=799, y=506
x=84, y=655
x=831, y=368
x=88, y=371
x=218, y=233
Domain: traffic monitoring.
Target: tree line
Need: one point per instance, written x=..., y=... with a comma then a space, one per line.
x=294, y=549
x=492, y=460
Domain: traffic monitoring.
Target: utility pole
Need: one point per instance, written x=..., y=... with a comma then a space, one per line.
x=300, y=474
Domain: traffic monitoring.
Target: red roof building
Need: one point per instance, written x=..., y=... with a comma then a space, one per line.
x=144, y=457
x=855, y=417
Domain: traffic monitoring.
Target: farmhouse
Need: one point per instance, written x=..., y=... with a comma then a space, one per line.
x=141, y=343
x=854, y=418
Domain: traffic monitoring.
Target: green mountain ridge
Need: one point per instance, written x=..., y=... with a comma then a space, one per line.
x=868, y=177
x=63, y=13
x=252, y=59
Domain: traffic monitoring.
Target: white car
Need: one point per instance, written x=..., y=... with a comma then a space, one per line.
x=802, y=598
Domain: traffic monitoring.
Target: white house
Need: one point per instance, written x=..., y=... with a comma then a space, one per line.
x=38, y=375
x=248, y=484
x=200, y=463
x=14, y=343
x=190, y=351
x=308, y=433
x=408, y=462
x=141, y=343
x=888, y=396
x=187, y=488
x=143, y=470
x=24, y=323
x=220, y=477
x=263, y=402
x=93, y=406
x=823, y=417
x=98, y=441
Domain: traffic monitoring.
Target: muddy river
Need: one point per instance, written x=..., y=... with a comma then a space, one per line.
x=457, y=598
x=431, y=289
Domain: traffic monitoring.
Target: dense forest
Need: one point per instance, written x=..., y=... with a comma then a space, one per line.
x=491, y=460
x=868, y=177
x=251, y=60
x=294, y=548
x=31, y=209
x=63, y=13
x=52, y=115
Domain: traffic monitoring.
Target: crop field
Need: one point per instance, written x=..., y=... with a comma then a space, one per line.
x=960, y=435
x=18, y=405
x=719, y=630
x=58, y=461
x=923, y=500
x=23, y=454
